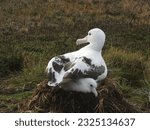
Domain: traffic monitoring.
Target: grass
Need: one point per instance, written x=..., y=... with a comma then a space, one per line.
x=18, y=96
x=130, y=65
x=32, y=32
x=12, y=101
x=129, y=69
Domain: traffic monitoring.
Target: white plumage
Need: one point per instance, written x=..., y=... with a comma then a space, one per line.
x=76, y=70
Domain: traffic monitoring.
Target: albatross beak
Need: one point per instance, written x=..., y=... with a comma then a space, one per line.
x=94, y=92
x=81, y=41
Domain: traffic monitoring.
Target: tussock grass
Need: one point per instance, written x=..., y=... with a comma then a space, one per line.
x=129, y=69
x=131, y=65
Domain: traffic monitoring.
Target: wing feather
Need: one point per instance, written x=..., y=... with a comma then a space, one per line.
x=83, y=68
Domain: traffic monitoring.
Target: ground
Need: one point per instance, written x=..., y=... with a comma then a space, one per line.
x=32, y=32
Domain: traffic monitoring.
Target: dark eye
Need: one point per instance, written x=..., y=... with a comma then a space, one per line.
x=89, y=34
x=91, y=85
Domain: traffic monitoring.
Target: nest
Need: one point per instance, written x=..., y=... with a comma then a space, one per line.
x=50, y=99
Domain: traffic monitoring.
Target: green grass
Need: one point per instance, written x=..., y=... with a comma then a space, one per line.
x=18, y=96
x=130, y=65
x=32, y=32
x=12, y=101
x=129, y=68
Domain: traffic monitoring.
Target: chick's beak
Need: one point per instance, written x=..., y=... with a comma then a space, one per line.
x=94, y=92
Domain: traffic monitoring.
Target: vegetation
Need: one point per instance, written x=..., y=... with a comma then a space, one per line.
x=33, y=31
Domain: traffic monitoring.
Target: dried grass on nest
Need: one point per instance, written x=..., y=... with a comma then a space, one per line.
x=50, y=99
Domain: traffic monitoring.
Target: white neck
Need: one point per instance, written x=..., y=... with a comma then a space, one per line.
x=96, y=47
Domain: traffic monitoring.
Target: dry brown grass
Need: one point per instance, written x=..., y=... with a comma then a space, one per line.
x=137, y=11
x=27, y=12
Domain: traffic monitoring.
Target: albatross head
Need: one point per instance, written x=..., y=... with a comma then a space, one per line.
x=85, y=85
x=96, y=38
x=89, y=85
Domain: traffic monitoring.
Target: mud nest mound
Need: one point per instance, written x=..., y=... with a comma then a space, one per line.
x=50, y=99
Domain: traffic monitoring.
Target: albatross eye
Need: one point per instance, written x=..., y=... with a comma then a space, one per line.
x=89, y=34
x=91, y=85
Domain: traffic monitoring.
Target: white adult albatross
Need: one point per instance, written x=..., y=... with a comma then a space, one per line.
x=84, y=67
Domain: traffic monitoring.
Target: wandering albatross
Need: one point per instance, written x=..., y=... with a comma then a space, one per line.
x=85, y=67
